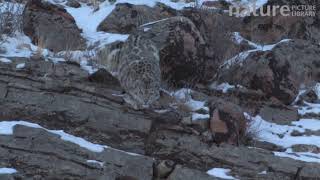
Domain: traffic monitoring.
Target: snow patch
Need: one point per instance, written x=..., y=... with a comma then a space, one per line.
x=17, y=46
x=263, y=172
x=7, y=171
x=6, y=128
x=21, y=65
x=220, y=173
x=96, y=162
x=197, y=116
x=301, y=156
x=88, y=20
x=184, y=96
x=281, y=134
x=317, y=90
x=224, y=87
x=309, y=108
x=5, y=60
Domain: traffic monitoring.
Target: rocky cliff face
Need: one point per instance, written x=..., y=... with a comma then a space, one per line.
x=233, y=99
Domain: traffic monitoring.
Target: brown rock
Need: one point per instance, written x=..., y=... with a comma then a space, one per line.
x=227, y=122
x=125, y=18
x=216, y=124
x=216, y=29
x=279, y=114
x=52, y=27
x=279, y=72
x=271, y=29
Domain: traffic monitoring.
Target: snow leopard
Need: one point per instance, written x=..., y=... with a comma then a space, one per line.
x=139, y=72
x=135, y=63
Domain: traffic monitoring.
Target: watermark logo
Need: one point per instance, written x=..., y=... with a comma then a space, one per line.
x=272, y=10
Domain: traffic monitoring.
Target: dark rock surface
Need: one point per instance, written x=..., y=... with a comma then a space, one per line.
x=277, y=73
x=273, y=29
x=171, y=145
x=51, y=27
x=181, y=173
x=279, y=114
x=30, y=150
x=217, y=30
x=227, y=122
x=181, y=50
x=126, y=18
x=73, y=3
x=66, y=99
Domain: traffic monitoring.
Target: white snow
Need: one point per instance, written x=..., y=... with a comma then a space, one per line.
x=96, y=162
x=317, y=89
x=298, y=97
x=263, y=172
x=13, y=7
x=302, y=156
x=88, y=20
x=5, y=60
x=17, y=46
x=184, y=96
x=239, y=58
x=309, y=108
x=281, y=134
x=197, y=116
x=21, y=65
x=175, y=5
x=7, y=171
x=85, y=65
x=224, y=87
x=196, y=105
x=6, y=128
x=220, y=173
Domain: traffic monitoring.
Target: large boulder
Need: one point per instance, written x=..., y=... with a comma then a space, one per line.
x=217, y=29
x=271, y=29
x=51, y=27
x=279, y=114
x=279, y=72
x=125, y=18
x=181, y=50
x=227, y=122
x=30, y=149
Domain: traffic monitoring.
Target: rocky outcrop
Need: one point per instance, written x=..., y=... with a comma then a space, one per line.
x=126, y=18
x=182, y=134
x=227, y=122
x=279, y=72
x=244, y=162
x=61, y=96
x=272, y=29
x=279, y=114
x=183, y=173
x=36, y=147
x=52, y=27
x=217, y=30
x=181, y=50
x=73, y=3
x=69, y=100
